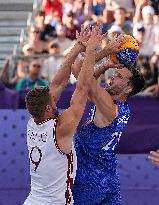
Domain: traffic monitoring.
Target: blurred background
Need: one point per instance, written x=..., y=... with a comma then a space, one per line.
x=35, y=37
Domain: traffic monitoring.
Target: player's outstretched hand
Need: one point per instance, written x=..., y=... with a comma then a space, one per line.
x=96, y=37
x=113, y=46
x=154, y=157
x=83, y=36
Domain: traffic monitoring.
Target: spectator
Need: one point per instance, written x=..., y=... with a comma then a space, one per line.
x=47, y=32
x=70, y=27
x=114, y=30
x=21, y=68
x=112, y=5
x=33, y=79
x=139, y=34
x=67, y=6
x=52, y=64
x=155, y=5
x=97, y=9
x=28, y=50
x=63, y=42
x=82, y=12
x=51, y=6
x=34, y=40
x=150, y=29
x=120, y=20
x=146, y=71
x=154, y=157
x=152, y=90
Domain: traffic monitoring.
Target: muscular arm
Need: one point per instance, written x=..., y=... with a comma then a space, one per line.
x=98, y=70
x=99, y=96
x=68, y=121
x=112, y=47
x=62, y=77
x=105, y=107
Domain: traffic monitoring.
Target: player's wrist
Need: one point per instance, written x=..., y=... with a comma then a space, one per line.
x=81, y=45
x=90, y=48
x=107, y=51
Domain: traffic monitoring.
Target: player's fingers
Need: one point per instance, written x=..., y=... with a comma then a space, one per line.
x=104, y=36
x=82, y=28
x=153, y=159
x=115, y=37
x=119, y=66
x=77, y=34
x=154, y=154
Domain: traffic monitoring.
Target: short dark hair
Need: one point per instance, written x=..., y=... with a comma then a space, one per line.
x=36, y=101
x=121, y=8
x=137, y=81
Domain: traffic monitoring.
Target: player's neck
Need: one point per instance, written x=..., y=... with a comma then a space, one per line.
x=40, y=121
x=120, y=98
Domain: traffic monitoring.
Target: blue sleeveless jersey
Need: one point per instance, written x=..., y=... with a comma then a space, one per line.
x=97, y=178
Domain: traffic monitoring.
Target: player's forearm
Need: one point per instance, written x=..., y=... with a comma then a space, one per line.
x=64, y=72
x=87, y=69
x=100, y=70
x=102, y=54
x=102, y=99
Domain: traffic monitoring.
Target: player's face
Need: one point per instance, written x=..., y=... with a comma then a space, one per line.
x=119, y=82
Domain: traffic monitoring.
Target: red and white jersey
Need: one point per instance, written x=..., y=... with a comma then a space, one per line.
x=52, y=172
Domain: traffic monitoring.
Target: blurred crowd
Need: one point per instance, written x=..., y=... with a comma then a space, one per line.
x=53, y=32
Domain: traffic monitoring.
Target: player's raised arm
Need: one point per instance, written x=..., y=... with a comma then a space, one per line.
x=62, y=77
x=112, y=47
x=68, y=121
x=98, y=70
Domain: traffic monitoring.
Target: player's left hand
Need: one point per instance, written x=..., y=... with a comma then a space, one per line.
x=96, y=36
x=113, y=46
x=83, y=36
x=154, y=157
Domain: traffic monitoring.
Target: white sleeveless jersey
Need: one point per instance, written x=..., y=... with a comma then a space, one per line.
x=51, y=171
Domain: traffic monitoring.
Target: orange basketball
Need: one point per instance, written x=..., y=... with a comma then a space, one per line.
x=129, y=53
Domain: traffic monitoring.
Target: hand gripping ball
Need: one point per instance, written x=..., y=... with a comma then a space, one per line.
x=129, y=52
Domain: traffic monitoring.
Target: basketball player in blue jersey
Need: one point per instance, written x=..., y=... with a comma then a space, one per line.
x=97, y=180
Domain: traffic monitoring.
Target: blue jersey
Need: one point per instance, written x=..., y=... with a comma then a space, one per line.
x=96, y=158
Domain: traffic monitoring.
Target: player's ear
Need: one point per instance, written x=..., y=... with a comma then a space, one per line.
x=127, y=89
x=48, y=108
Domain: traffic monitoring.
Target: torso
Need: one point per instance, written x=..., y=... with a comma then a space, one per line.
x=48, y=166
x=95, y=148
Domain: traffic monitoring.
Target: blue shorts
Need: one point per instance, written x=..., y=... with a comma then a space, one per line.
x=88, y=195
